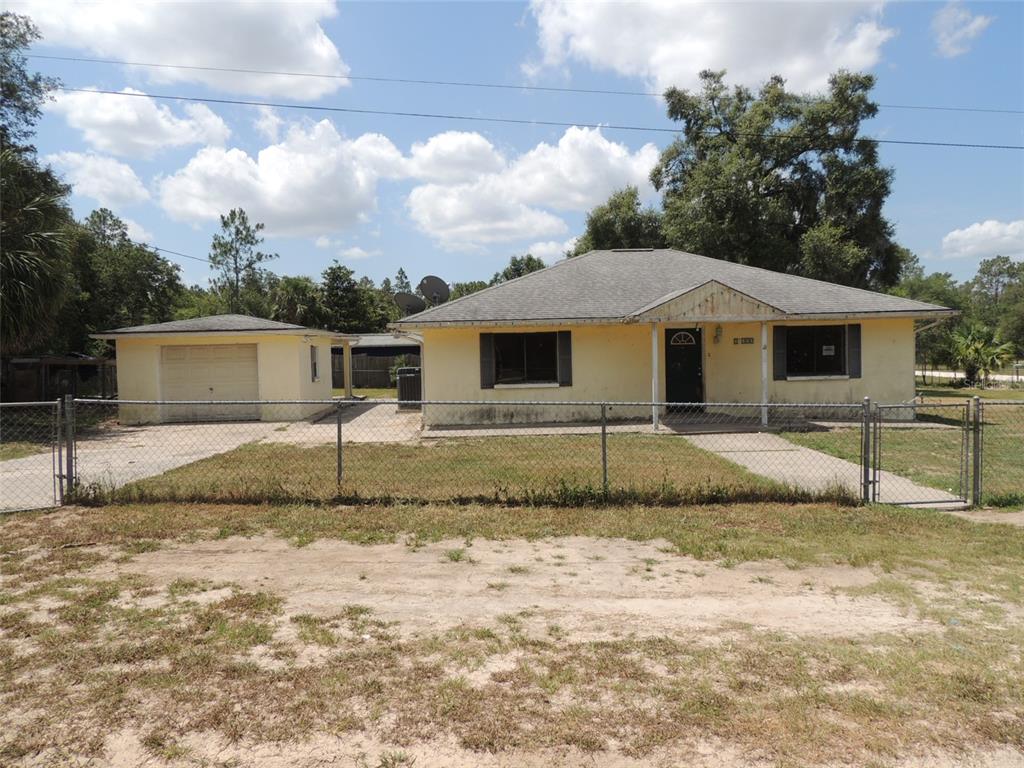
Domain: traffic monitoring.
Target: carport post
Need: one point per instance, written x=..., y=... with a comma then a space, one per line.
x=764, y=374
x=865, y=452
x=341, y=464
x=346, y=363
x=654, y=375
x=69, y=448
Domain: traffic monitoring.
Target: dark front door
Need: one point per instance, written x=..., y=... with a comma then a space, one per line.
x=684, y=373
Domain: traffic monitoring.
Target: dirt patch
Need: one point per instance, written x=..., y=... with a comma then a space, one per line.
x=594, y=589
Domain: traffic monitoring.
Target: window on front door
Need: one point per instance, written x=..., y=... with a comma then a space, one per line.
x=314, y=363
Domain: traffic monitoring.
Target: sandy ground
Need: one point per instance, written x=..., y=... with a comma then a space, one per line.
x=591, y=588
x=361, y=751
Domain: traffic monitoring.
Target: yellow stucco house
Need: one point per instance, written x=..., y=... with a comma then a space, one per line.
x=223, y=358
x=660, y=325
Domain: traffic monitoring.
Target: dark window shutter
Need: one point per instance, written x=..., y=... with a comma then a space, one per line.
x=565, y=358
x=486, y=361
x=853, y=351
x=779, y=352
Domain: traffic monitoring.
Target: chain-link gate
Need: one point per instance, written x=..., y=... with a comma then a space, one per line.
x=31, y=456
x=920, y=454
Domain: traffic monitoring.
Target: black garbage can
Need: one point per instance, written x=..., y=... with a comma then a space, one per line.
x=409, y=387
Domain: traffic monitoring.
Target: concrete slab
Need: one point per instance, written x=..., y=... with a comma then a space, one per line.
x=776, y=458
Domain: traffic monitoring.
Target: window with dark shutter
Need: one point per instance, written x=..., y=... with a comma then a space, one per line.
x=486, y=361
x=853, y=353
x=813, y=350
x=565, y=358
x=779, y=353
x=525, y=358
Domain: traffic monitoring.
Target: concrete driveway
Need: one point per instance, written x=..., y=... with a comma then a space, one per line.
x=116, y=455
x=774, y=457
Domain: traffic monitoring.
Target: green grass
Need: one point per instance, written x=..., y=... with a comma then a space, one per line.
x=511, y=469
x=371, y=393
x=941, y=393
x=19, y=450
x=931, y=456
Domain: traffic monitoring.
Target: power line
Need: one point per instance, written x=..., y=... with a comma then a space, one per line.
x=176, y=253
x=507, y=120
x=459, y=83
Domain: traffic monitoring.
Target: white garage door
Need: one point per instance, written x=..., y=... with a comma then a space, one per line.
x=209, y=372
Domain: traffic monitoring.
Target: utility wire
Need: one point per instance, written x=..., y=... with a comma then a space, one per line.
x=459, y=83
x=509, y=120
x=176, y=253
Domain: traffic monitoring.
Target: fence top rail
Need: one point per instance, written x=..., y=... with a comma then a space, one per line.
x=392, y=401
x=987, y=403
x=28, y=403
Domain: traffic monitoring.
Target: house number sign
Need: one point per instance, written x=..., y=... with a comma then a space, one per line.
x=743, y=340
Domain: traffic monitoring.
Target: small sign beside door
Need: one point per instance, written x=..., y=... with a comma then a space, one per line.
x=743, y=340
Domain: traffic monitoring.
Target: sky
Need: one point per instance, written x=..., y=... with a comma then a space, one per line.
x=456, y=198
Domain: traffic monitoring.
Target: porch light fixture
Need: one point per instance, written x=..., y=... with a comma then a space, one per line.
x=718, y=334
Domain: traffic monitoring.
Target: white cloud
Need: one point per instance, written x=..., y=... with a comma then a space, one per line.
x=323, y=242
x=267, y=123
x=355, y=253
x=552, y=250
x=955, y=28
x=137, y=232
x=985, y=239
x=508, y=205
x=454, y=156
x=109, y=181
x=269, y=36
x=668, y=43
x=313, y=182
x=137, y=126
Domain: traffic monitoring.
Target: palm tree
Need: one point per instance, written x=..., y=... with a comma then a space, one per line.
x=34, y=246
x=978, y=350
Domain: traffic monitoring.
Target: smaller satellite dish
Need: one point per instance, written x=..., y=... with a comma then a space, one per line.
x=434, y=289
x=409, y=303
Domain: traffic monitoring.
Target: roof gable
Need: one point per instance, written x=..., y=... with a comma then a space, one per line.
x=710, y=301
x=614, y=286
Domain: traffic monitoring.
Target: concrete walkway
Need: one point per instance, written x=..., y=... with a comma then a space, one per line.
x=778, y=459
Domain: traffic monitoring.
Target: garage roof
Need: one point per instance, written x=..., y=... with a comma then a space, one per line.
x=216, y=324
x=619, y=285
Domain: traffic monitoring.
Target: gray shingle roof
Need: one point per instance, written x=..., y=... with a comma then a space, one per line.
x=212, y=324
x=612, y=285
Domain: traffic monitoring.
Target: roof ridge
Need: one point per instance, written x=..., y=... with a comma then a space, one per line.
x=560, y=263
x=802, y=277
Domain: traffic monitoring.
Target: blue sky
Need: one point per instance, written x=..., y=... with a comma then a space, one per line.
x=457, y=198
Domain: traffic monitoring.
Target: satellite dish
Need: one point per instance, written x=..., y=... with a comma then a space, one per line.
x=434, y=289
x=409, y=303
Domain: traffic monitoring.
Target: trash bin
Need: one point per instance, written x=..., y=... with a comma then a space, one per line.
x=409, y=387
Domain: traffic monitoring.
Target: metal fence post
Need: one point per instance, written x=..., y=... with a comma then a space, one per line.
x=865, y=486
x=70, y=479
x=976, y=449
x=604, y=447
x=341, y=458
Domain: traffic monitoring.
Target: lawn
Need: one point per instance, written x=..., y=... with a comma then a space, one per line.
x=371, y=393
x=392, y=635
x=20, y=449
x=931, y=456
x=938, y=393
x=536, y=468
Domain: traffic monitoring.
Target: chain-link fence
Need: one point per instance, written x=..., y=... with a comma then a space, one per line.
x=511, y=452
x=1001, y=463
x=921, y=454
x=466, y=451
x=31, y=456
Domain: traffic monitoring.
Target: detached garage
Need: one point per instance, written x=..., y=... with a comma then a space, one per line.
x=222, y=358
